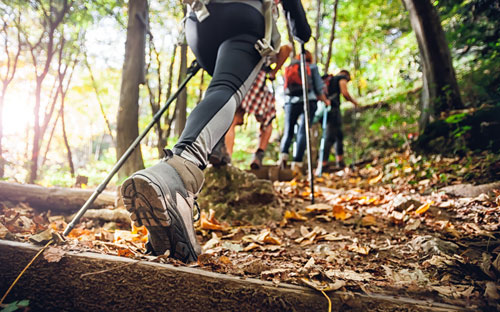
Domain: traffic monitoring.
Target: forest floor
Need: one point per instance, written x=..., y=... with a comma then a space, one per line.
x=402, y=225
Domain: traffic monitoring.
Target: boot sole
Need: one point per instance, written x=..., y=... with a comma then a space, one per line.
x=145, y=201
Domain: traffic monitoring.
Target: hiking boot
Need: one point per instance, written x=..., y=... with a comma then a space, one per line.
x=162, y=198
x=257, y=159
x=282, y=161
x=296, y=168
x=340, y=164
x=219, y=156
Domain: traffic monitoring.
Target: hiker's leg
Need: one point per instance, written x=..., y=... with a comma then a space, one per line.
x=292, y=113
x=339, y=136
x=236, y=66
x=230, y=134
x=265, y=135
x=301, y=136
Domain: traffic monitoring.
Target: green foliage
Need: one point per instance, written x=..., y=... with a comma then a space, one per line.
x=21, y=305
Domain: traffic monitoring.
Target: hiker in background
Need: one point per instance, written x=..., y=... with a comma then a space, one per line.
x=294, y=108
x=334, y=86
x=227, y=40
x=260, y=102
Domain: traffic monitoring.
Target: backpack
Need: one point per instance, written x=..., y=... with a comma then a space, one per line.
x=293, y=80
x=267, y=46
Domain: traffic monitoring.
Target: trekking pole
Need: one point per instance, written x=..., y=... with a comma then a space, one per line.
x=305, y=95
x=191, y=71
x=323, y=142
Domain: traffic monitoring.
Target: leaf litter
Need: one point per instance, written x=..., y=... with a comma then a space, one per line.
x=384, y=228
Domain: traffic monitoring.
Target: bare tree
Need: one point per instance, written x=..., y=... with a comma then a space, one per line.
x=9, y=69
x=440, y=89
x=96, y=90
x=332, y=36
x=132, y=76
x=318, y=30
x=42, y=51
x=181, y=103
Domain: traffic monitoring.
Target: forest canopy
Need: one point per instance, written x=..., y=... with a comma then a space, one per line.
x=61, y=69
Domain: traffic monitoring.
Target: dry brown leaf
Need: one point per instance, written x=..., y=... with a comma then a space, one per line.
x=292, y=215
x=364, y=250
x=423, y=208
x=209, y=222
x=225, y=260
x=319, y=208
x=3, y=231
x=368, y=220
x=339, y=212
x=252, y=246
x=53, y=254
x=376, y=179
x=491, y=291
x=124, y=252
x=322, y=285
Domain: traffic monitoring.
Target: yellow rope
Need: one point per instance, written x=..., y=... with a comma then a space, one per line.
x=24, y=270
x=329, y=301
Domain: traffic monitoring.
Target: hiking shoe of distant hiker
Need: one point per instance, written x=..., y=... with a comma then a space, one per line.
x=162, y=198
x=257, y=159
x=283, y=160
x=219, y=156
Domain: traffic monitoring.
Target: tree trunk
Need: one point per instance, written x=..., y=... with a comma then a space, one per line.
x=2, y=161
x=65, y=137
x=169, y=119
x=332, y=36
x=181, y=103
x=132, y=76
x=318, y=31
x=440, y=89
x=96, y=90
x=49, y=51
x=36, y=134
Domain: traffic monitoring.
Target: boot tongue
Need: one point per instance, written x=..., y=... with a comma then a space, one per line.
x=191, y=175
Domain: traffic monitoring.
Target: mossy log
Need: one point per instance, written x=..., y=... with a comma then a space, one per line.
x=235, y=194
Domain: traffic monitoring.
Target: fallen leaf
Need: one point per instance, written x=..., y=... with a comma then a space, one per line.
x=225, y=260
x=364, y=250
x=323, y=285
x=53, y=254
x=491, y=291
x=376, y=179
x=209, y=222
x=339, y=212
x=124, y=252
x=319, y=208
x=424, y=208
x=368, y=220
x=42, y=237
x=348, y=275
x=3, y=231
x=413, y=225
x=292, y=215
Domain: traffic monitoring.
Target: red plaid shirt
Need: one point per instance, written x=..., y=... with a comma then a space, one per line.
x=260, y=101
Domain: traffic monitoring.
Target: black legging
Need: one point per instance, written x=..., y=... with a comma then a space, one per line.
x=334, y=135
x=224, y=46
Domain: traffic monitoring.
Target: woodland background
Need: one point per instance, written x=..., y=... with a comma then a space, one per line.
x=62, y=69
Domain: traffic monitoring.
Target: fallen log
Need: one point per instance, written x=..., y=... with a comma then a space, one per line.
x=57, y=199
x=95, y=282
